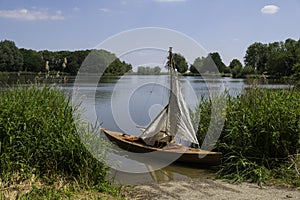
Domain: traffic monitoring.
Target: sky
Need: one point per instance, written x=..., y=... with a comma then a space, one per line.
x=224, y=26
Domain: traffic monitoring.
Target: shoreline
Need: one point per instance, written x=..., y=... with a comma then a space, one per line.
x=207, y=188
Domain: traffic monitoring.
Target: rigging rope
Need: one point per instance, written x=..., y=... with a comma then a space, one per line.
x=151, y=93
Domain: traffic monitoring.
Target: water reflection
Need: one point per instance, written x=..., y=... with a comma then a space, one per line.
x=169, y=173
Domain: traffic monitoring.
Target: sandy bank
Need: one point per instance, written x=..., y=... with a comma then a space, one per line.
x=189, y=189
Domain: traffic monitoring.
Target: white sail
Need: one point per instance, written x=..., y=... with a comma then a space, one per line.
x=173, y=120
x=157, y=131
x=179, y=116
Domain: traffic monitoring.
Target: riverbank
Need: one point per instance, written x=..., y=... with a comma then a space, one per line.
x=42, y=155
x=206, y=188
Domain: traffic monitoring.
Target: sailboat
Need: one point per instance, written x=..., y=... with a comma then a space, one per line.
x=159, y=137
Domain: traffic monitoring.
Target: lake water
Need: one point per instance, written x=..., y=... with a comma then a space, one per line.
x=123, y=103
x=128, y=102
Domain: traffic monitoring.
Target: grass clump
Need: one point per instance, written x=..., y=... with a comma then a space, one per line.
x=38, y=137
x=260, y=140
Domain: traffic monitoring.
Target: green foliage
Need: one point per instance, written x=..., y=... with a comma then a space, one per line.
x=204, y=65
x=242, y=72
x=148, y=70
x=32, y=60
x=72, y=191
x=208, y=64
x=219, y=63
x=296, y=70
x=117, y=67
x=276, y=59
x=261, y=133
x=38, y=136
x=236, y=68
x=235, y=62
x=195, y=67
x=238, y=71
x=75, y=59
x=10, y=57
x=256, y=56
x=247, y=70
x=47, y=193
x=180, y=63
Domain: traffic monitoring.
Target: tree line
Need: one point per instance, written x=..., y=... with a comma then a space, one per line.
x=13, y=59
x=147, y=70
x=276, y=59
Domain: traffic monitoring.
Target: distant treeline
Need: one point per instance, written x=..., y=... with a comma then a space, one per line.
x=13, y=59
x=276, y=59
x=142, y=70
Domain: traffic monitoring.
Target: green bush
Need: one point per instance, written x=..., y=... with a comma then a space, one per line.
x=38, y=136
x=260, y=135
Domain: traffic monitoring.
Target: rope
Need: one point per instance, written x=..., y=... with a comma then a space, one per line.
x=150, y=94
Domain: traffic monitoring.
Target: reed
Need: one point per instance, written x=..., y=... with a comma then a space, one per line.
x=261, y=136
x=38, y=136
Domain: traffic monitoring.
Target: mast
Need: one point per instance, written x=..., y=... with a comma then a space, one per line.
x=170, y=68
x=170, y=57
x=174, y=119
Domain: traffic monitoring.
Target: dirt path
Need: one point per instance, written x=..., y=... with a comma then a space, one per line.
x=210, y=189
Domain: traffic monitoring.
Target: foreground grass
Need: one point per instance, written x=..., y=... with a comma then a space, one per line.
x=260, y=140
x=36, y=188
x=40, y=147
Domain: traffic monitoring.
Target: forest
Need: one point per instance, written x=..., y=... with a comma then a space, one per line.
x=276, y=59
x=13, y=59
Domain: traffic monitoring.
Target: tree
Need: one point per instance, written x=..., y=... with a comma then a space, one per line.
x=10, y=57
x=247, y=70
x=204, y=65
x=256, y=56
x=236, y=71
x=75, y=59
x=118, y=67
x=32, y=60
x=156, y=70
x=296, y=70
x=141, y=70
x=48, y=56
x=180, y=63
x=236, y=67
x=196, y=66
x=279, y=62
x=235, y=62
x=148, y=70
x=218, y=62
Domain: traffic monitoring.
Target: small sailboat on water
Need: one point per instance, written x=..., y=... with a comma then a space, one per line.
x=173, y=120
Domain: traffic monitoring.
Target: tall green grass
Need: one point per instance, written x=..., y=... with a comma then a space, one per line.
x=261, y=136
x=38, y=136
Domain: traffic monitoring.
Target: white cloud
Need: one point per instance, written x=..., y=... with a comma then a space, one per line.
x=270, y=9
x=31, y=15
x=104, y=9
x=169, y=1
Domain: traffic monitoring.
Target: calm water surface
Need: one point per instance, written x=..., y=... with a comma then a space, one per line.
x=123, y=103
x=142, y=97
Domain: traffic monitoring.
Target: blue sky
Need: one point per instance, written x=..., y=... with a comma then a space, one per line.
x=225, y=26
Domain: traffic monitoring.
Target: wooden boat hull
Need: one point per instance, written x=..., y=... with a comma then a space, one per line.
x=177, y=153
